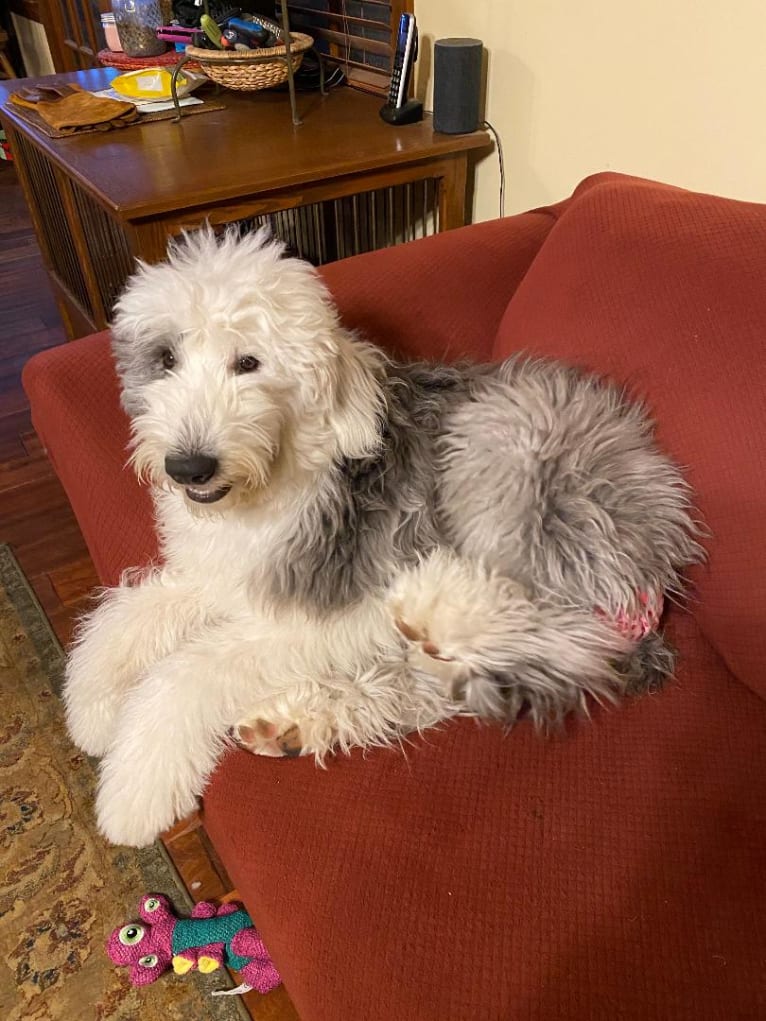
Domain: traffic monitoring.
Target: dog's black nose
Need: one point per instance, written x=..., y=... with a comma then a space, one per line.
x=191, y=469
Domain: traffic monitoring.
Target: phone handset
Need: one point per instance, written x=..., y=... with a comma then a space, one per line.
x=399, y=109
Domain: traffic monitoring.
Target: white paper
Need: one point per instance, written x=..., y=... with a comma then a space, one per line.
x=148, y=105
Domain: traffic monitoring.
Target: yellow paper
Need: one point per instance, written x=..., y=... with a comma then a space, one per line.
x=147, y=83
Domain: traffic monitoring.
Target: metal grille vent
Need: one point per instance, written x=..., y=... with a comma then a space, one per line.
x=337, y=228
x=108, y=248
x=61, y=251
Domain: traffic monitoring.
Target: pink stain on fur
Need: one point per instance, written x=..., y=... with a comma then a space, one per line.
x=637, y=625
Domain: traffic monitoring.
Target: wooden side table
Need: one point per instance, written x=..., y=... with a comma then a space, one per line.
x=99, y=200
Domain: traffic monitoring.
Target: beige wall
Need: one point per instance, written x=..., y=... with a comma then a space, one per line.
x=669, y=89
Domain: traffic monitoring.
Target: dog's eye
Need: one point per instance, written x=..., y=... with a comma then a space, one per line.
x=247, y=363
x=167, y=358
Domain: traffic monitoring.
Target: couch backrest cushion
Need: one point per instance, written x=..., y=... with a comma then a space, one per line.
x=665, y=290
x=442, y=297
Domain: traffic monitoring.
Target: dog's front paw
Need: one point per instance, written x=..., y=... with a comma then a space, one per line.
x=271, y=739
x=134, y=810
x=94, y=688
x=90, y=724
x=123, y=827
x=89, y=711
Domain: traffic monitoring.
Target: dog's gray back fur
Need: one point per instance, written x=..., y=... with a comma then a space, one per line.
x=549, y=476
x=375, y=514
x=554, y=478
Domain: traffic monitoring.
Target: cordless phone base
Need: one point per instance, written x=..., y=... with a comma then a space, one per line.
x=411, y=112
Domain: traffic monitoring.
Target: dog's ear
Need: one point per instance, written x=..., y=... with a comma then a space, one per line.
x=356, y=408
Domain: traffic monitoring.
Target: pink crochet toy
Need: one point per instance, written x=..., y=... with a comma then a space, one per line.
x=211, y=938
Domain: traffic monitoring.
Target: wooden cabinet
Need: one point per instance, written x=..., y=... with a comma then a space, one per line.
x=340, y=183
x=73, y=29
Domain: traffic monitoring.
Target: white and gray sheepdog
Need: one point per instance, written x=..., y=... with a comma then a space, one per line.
x=353, y=548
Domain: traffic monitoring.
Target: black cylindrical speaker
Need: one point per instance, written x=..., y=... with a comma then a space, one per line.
x=457, y=85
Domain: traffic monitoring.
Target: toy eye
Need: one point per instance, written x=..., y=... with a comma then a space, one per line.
x=167, y=358
x=247, y=363
x=151, y=904
x=149, y=961
x=129, y=935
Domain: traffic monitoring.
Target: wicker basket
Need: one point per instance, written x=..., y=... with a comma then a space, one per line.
x=233, y=72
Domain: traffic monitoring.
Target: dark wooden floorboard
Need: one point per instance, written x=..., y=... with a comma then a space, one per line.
x=35, y=517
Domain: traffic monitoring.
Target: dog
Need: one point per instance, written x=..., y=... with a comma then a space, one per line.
x=354, y=549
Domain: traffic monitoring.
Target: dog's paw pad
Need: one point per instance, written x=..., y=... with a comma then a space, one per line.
x=410, y=633
x=289, y=741
x=263, y=738
x=420, y=637
x=432, y=650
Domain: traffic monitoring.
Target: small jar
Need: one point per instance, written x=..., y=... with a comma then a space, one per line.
x=110, y=33
x=137, y=22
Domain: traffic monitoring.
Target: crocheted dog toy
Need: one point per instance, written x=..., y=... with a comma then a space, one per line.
x=212, y=937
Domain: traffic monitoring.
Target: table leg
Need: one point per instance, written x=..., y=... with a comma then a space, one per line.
x=452, y=193
x=148, y=240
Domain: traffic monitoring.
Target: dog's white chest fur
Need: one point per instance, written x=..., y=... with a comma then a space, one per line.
x=228, y=559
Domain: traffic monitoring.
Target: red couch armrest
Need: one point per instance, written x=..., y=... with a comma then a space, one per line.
x=76, y=412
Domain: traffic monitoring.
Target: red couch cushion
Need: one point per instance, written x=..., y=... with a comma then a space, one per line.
x=664, y=289
x=615, y=873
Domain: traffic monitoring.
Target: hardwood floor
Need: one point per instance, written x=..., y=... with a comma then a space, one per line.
x=36, y=520
x=35, y=517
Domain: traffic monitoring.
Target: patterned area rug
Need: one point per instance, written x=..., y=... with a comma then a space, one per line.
x=62, y=888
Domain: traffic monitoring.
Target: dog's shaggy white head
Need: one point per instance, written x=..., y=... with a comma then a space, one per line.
x=236, y=372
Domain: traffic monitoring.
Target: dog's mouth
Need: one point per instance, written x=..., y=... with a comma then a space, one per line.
x=200, y=495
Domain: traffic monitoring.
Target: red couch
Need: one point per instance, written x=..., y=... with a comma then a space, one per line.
x=613, y=872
